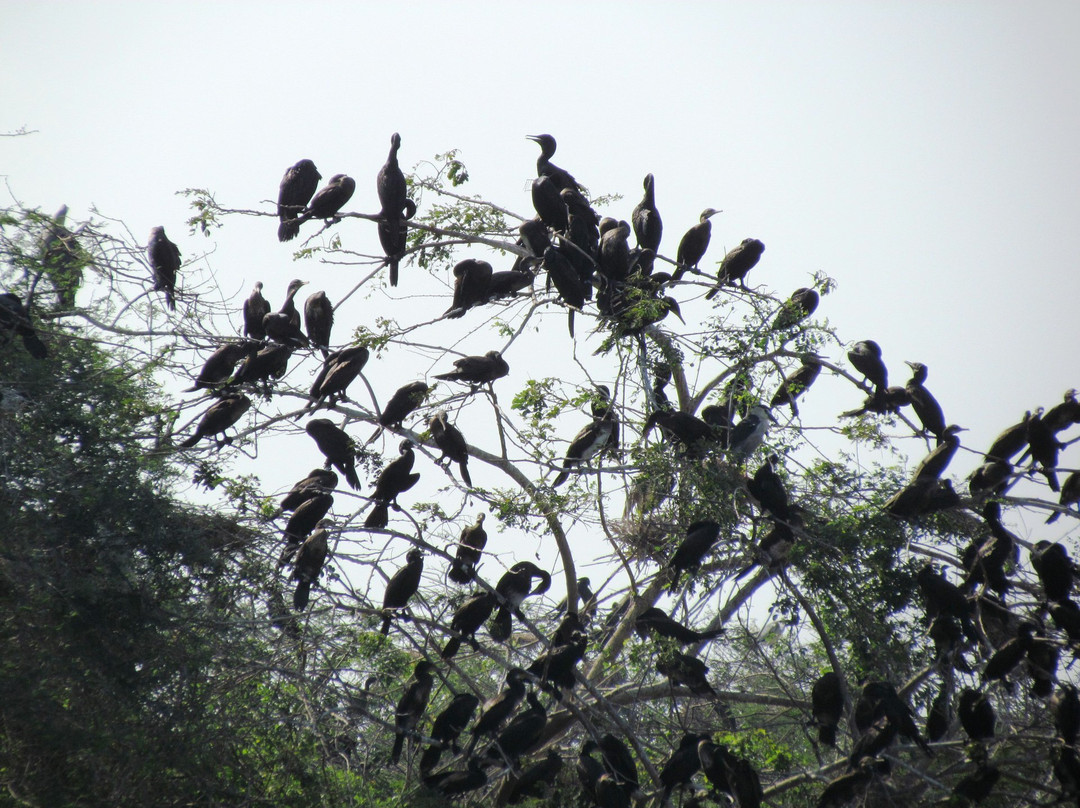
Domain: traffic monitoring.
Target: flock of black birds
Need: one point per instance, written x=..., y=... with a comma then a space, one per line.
x=586, y=256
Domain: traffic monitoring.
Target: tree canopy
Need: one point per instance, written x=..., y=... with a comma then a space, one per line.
x=593, y=479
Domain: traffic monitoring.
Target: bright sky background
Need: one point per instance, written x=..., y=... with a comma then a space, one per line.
x=926, y=155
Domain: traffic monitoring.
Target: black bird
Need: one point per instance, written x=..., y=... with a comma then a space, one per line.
x=533, y=235
x=63, y=258
x=498, y=708
x=768, y=489
x=219, y=366
x=303, y=521
x=865, y=357
x=990, y=479
x=557, y=666
x=1011, y=441
x=938, y=718
x=700, y=538
x=589, y=769
x=840, y=791
x=656, y=621
x=522, y=733
x=411, y=707
x=589, y=442
x=536, y=779
x=337, y=447
x=583, y=235
x=402, y=586
x=476, y=370
x=472, y=542
x=549, y=205
x=508, y=282
x=165, y=262
x=15, y=319
x=797, y=382
x=318, y=481
x=405, y=399
x=682, y=765
x=775, y=546
x=339, y=370
x=329, y=200
x=681, y=669
x=610, y=793
x=736, y=264
x=255, y=309
x=565, y=278
x=1065, y=706
x=976, y=787
x=395, y=208
x=692, y=432
x=879, y=701
x=460, y=781
x=694, y=243
x=716, y=761
x=221, y=415
x=1070, y=495
x=985, y=559
x=976, y=715
x=512, y=589
x=451, y=443
x=923, y=402
x=1044, y=446
x=1042, y=664
x=271, y=361
x=648, y=228
x=295, y=191
x=934, y=464
x=944, y=597
x=1052, y=564
x=560, y=177
x=613, y=257
x=394, y=480
x=309, y=563
x=1063, y=415
x=619, y=762
x=318, y=320
x=827, y=706
x=1009, y=655
x=284, y=325
x=472, y=278
x=802, y=303
x=447, y=727
x=394, y=238
x=468, y=618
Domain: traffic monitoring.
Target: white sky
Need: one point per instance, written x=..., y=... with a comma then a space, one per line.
x=923, y=154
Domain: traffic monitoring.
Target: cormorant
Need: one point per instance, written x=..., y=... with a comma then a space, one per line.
x=655, y=620
x=736, y=264
x=405, y=399
x=773, y=549
x=220, y=364
x=619, y=762
x=337, y=446
x=700, y=538
x=329, y=200
x=1070, y=495
x=939, y=717
x=865, y=357
x=460, y=781
x=1063, y=415
x=935, y=463
x=681, y=669
x=394, y=480
x=613, y=257
x=221, y=415
x=648, y=228
x=295, y=191
x=1065, y=707
x=522, y=733
x=840, y=791
x=451, y=443
x=1044, y=446
x=534, y=237
x=1052, y=564
x=549, y=205
x=768, y=489
x=590, y=441
x=472, y=542
x=339, y=370
x=318, y=481
x=1011, y=441
x=693, y=433
x=802, y=303
x=255, y=309
x=284, y=325
x=976, y=715
x=476, y=370
x=402, y=586
x=395, y=208
x=610, y=793
x=14, y=318
x=512, y=589
x=271, y=361
x=682, y=765
x=498, y=708
x=879, y=701
x=536, y=779
x=749, y=433
x=827, y=706
x=565, y=278
x=508, y=282
x=582, y=233
x=545, y=168
x=411, y=707
x=165, y=262
x=923, y=402
x=447, y=727
x=797, y=382
x=318, y=320
x=976, y=787
x=472, y=278
x=694, y=244
x=305, y=518
x=468, y=618
x=309, y=563
x=557, y=666
x=63, y=258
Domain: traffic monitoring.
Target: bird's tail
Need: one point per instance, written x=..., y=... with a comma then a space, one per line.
x=463, y=467
x=34, y=346
x=399, y=743
x=460, y=571
x=827, y=734
x=350, y=476
x=451, y=648
x=379, y=516
x=301, y=595
x=385, y=630
x=430, y=759
x=288, y=230
x=501, y=624
x=191, y=441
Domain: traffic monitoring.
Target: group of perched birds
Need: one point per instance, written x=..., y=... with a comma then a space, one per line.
x=585, y=257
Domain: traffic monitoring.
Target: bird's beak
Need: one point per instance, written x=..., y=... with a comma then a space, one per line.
x=673, y=307
x=910, y=364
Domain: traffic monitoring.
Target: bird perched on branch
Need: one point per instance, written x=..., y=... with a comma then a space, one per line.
x=330, y=199
x=318, y=481
x=589, y=442
x=339, y=370
x=648, y=227
x=477, y=370
x=319, y=320
x=451, y=443
x=221, y=415
x=468, y=618
x=165, y=262
x=337, y=447
x=397, y=478
x=310, y=559
x=512, y=589
x=694, y=243
x=284, y=325
x=15, y=319
x=295, y=191
x=655, y=620
x=219, y=365
x=404, y=401
x=472, y=279
x=736, y=264
x=402, y=586
x=559, y=177
x=411, y=706
x=472, y=542
x=802, y=303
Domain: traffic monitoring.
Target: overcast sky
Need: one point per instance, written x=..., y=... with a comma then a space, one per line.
x=925, y=155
